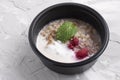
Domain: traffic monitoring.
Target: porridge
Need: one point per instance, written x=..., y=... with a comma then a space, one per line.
x=68, y=40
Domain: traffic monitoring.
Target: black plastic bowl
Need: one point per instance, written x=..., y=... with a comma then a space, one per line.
x=69, y=10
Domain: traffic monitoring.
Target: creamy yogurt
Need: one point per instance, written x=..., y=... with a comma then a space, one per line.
x=56, y=51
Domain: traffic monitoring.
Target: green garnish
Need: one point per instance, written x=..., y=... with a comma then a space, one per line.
x=66, y=31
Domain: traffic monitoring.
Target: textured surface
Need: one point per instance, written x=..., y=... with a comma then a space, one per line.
x=17, y=60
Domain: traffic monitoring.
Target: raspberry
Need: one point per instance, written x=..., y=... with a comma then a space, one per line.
x=74, y=41
x=70, y=46
x=82, y=53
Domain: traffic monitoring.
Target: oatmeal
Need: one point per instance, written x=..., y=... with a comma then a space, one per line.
x=61, y=44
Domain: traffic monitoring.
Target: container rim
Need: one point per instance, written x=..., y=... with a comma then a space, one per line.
x=92, y=58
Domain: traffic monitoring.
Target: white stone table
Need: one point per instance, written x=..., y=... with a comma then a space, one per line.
x=17, y=60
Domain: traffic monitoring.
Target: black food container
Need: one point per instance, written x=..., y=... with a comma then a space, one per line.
x=69, y=10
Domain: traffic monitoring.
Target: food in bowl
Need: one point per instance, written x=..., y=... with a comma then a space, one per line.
x=68, y=40
x=66, y=65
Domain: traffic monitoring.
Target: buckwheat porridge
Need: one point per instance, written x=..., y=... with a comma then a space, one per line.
x=68, y=40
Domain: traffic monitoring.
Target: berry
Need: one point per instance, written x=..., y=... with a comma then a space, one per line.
x=82, y=53
x=74, y=41
x=70, y=46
